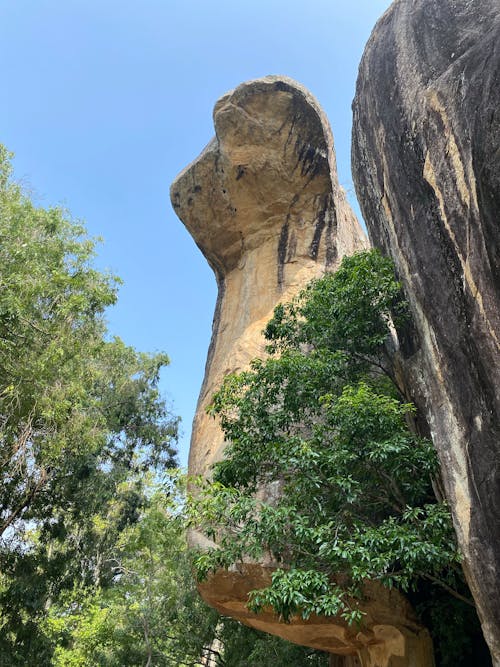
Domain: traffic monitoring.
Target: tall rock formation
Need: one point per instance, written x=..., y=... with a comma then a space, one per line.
x=426, y=161
x=264, y=205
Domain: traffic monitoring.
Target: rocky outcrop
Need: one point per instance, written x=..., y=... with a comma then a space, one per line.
x=390, y=636
x=426, y=161
x=264, y=205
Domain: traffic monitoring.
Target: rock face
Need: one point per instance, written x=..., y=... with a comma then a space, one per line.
x=264, y=205
x=426, y=161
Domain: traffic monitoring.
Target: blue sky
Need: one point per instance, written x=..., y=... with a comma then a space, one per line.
x=105, y=101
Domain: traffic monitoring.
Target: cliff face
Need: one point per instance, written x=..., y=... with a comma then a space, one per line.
x=264, y=205
x=426, y=161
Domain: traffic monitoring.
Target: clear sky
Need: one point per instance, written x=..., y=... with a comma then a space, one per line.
x=105, y=101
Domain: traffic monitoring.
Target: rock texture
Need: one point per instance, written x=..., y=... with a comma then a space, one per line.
x=426, y=161
x=390, y=636
x=264, y=205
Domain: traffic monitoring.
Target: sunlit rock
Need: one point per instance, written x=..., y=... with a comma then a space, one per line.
x=264, y=205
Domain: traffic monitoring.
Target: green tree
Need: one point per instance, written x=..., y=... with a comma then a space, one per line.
x=152, y=614
x=80, y=418
x=323, y=421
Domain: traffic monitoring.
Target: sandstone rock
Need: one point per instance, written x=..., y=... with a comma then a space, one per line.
x=426, y=161
x=264, y=205
x=390, y=637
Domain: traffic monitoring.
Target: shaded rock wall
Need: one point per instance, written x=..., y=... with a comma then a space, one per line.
x=264, y=205
x=426, y=162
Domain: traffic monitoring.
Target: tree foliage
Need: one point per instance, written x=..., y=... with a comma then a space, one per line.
x=80, y=417
x=323, y=430
x=151, y=614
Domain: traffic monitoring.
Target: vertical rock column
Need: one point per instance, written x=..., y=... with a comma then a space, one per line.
x=264, y=205
x=426, y=161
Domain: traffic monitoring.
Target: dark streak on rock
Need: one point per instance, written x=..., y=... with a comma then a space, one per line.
x=309, y=158
x=176, y=199
x=331, y=234
x=310, y=147
x=282, y=86
x=290, y=133
x=292, y=247
x=282, y=251
x=318, y=230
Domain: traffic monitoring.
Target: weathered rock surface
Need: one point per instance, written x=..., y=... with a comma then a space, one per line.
x=390, y=637
x=426, y=161
x=264, y=205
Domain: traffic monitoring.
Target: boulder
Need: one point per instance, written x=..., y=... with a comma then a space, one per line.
x=426, y=164
x=264, y=205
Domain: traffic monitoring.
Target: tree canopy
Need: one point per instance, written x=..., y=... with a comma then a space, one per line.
x=80, y=417
x=323, y=430
x=152, y=614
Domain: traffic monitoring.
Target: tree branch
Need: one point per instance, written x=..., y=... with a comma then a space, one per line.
x=25, y=503
x=447, y=588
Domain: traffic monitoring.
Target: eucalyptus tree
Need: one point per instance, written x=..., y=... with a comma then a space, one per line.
x=80, y=417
